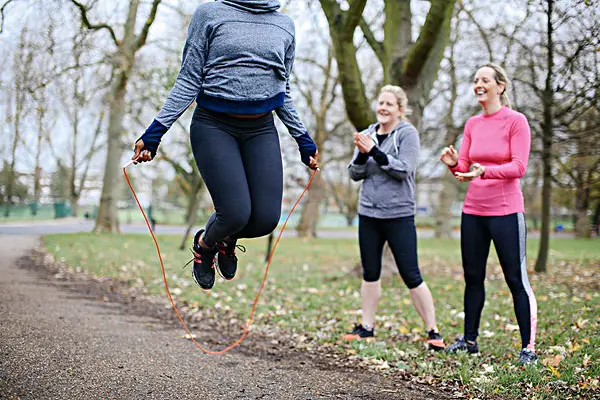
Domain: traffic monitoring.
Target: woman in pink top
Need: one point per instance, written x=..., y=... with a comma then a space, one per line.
x=492, y=157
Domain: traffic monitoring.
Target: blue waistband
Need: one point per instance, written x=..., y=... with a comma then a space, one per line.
x=240, y=107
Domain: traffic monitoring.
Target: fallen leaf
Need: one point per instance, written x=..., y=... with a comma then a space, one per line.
x=587, y=360
x=553, y=361
x=581, y=323
x=554, y=371
x=573, y=347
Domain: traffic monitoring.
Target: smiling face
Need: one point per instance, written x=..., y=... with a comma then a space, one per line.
x=388, y=110
x=486, y=88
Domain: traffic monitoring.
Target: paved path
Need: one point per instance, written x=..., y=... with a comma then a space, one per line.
x=76, y=225
x=61, y=340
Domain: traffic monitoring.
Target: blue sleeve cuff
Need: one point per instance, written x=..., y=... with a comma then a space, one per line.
x=306, y=146
x=152, y=136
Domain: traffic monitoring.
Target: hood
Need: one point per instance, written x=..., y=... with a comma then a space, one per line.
x=254, y=6
x=372, y=131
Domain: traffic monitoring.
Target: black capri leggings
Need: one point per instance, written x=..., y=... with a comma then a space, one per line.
x=240, y=162
x=401, y=236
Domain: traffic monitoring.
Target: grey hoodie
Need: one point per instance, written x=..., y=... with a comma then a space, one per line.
x=254, y=6
x=388, y=191
x=237, y=59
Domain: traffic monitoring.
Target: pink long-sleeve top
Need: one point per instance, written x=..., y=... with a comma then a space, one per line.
x=500, y=142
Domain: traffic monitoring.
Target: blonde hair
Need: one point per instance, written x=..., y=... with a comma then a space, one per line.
x=400, y=95
x=501, y=79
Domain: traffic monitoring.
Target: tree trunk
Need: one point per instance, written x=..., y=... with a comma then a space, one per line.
x=192, y=210
x=418, y=71
x=411, y=65
x=547, y=131
x=582, y=220
x=107, y=219
x=542, y=258
x=342, y=25
x=122, y=60
x=11, y=171
x=41, y=112
x=597, y=219
x=307, y=227
x=350, y=219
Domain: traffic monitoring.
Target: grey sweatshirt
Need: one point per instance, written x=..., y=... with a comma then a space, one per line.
x=388, y=191
x=238, y=59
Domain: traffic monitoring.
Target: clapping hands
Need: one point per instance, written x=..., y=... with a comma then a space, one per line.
x=363, y=142
x=449, y=157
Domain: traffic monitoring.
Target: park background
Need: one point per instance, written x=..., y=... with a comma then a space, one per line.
x=81, y=80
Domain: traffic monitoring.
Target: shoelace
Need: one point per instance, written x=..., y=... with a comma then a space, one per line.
x=231, y=254
x=197, y=259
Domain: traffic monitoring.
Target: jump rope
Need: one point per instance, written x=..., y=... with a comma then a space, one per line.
x=264, y=281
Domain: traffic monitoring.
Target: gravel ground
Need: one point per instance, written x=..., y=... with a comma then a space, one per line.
x=77, y=340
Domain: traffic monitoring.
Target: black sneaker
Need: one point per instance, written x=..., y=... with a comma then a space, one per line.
x=463, y=345
x=226, y=258
x=360, y=333
x=435, y=341
x=527, y=357
x=204, y=263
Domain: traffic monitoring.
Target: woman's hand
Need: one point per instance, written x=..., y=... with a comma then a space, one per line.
x=363, y=142
x=313, y=163
x=140, y=154
x=476, y=170
x=449, y=156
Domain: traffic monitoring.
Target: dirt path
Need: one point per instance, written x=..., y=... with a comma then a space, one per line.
x=64, y=340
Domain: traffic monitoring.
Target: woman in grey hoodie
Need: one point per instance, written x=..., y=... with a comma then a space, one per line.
x=385, y=161
x=237, y=61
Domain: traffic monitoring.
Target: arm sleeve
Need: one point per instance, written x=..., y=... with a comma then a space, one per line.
x=463, y=153
x=187, y=85
x=288, y=115
x=405, y=162
x=520, y=144
x=357, y=169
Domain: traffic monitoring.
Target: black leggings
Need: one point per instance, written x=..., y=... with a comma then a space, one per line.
x=509, y=234
x=401, y=235
x=240, y=162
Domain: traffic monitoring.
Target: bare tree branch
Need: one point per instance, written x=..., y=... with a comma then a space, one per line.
x=376, y=45
x=141, y=39
x=2, y=14
x=354, y=14
x=96, y=27
x=88, y=157
x=482, y=31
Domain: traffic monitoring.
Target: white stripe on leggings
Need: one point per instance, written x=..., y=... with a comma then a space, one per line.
x=525, y=279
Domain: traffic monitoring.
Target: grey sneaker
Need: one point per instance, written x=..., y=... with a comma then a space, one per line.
x=527, y=357
x=463, y=345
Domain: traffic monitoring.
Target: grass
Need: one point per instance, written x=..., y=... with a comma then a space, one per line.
x=173, y=215
x=313, y=294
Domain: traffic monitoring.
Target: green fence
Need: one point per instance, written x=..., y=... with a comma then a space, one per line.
x=36, y=212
